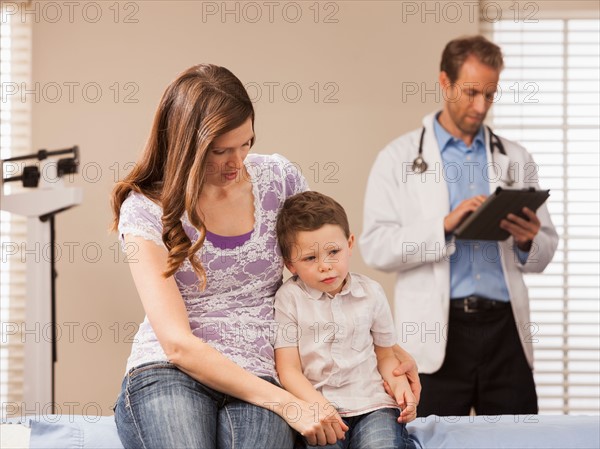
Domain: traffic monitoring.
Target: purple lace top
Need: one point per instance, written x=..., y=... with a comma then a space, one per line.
x=227, y=242
x=234, y=313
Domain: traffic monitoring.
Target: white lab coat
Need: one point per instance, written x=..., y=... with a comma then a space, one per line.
x=403, y=232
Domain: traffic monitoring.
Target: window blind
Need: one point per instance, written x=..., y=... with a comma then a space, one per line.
x=549, y=101
x=15, y=139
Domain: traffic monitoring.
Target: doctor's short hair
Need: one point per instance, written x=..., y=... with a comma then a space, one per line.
x=458, y=50
x=307, y=211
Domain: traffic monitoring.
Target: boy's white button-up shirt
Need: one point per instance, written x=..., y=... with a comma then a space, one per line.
x=335, y=338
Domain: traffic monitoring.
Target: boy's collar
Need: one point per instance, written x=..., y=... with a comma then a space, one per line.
x=353, y=287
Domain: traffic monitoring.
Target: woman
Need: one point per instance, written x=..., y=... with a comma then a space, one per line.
x=200, y=214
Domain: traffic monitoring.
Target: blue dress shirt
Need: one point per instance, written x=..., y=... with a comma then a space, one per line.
x=475, y=266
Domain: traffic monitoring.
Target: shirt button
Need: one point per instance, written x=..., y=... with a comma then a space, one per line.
x=471, y=186
x=468, y=158
x=477, y=276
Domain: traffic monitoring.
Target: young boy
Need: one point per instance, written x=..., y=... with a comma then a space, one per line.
x=335, y=332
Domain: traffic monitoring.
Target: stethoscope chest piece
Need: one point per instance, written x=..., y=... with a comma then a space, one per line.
x=419, y=165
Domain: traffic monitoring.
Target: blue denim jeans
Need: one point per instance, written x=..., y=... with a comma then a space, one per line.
x=376, y=430
x=162, y=407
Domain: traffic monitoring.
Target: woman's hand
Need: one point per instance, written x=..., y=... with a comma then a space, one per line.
x=319, y=424
x=404, y=397
x=407, y=366
x=313, y=416
x=397, y=379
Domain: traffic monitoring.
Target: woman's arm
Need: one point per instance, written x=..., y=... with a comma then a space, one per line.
x=168, y=317
x=289, y=369
x=398, y=386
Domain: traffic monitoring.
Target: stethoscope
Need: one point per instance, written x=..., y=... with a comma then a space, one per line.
x=420, y=166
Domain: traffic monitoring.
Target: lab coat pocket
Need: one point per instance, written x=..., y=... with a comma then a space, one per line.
x=361, y=334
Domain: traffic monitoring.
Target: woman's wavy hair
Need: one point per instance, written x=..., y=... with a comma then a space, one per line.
x=203, y=103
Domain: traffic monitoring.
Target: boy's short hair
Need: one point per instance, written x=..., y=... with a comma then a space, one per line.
x=307, y=211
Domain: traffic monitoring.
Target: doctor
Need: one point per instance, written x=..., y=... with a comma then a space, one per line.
x=461, y=307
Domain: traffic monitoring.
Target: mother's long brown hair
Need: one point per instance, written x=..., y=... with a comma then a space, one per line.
x=204, y=102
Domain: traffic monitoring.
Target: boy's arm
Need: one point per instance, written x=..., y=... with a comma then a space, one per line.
x=287, y=355
x=289, y=369
x=383, y=331
x=408, y=366
x=399, y=386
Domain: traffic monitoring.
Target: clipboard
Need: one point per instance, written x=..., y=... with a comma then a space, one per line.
x=484, y=223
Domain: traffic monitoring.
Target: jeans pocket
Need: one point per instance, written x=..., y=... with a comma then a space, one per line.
x=145, y=379
x=121, y=408
x=137, y=370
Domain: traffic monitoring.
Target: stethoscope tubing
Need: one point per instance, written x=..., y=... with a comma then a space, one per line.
x=420, y=166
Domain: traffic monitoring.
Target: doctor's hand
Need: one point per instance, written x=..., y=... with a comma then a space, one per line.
x=523, y=230
x=454, y=218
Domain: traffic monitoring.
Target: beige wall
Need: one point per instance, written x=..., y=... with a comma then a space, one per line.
x=366, y=55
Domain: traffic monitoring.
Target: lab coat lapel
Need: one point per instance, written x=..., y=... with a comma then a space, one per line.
x=435, y=201
x=434, y=187
x=498, y=166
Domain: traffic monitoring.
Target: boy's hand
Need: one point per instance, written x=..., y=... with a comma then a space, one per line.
x=324, y=427
x=404, y=397
x=407, y=366
x=313, y=417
